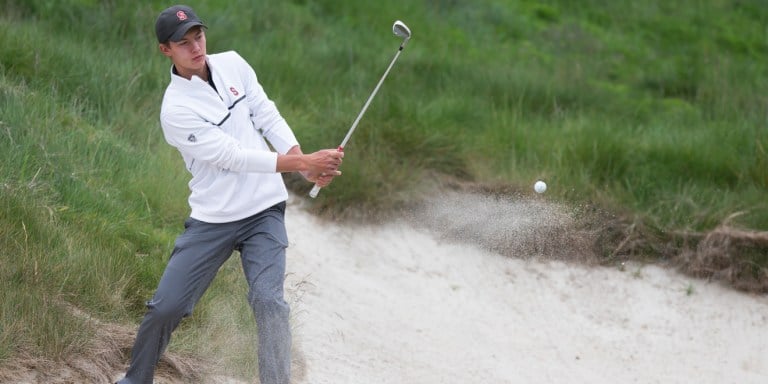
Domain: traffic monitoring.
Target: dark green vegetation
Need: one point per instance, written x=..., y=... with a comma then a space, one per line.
x=654, y=111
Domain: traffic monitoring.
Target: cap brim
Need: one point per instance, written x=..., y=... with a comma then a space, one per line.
x=179, y=34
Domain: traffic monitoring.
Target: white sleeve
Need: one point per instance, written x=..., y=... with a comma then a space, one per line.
x=202, y=140
x=264, y=113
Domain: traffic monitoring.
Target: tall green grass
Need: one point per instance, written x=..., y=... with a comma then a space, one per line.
x=655, y=109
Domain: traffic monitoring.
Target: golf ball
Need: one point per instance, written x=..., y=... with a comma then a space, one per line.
x=540, y=186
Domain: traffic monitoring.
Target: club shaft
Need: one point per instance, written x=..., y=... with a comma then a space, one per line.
x=316, y=189
x=370, y=98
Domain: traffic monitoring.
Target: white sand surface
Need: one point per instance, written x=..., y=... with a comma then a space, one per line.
x=397, y=303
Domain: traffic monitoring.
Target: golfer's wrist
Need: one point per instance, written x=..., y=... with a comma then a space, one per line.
x=292, y=163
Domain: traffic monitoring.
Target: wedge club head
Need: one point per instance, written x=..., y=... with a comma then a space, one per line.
x=401, y=30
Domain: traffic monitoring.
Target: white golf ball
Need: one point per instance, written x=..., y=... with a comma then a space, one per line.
x=540, y=186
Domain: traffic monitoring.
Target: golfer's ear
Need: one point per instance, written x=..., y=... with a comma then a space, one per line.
x=165, y=48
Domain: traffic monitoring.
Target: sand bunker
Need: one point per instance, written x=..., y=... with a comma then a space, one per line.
x=401, y=303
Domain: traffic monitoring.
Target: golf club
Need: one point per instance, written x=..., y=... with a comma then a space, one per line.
x=400, y=30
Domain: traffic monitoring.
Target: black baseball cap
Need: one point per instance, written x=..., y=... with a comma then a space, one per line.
x=174, y=22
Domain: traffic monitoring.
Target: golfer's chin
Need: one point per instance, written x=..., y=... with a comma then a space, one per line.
x=197, y=64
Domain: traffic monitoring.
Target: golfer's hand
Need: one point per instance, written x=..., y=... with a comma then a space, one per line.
x=323, y=166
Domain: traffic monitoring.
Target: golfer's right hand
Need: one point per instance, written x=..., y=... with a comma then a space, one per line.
x=325, y=162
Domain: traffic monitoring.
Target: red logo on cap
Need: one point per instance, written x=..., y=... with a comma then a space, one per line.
x=181, y=15
x=234, y=91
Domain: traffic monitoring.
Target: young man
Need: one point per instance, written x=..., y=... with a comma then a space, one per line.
x=217, y=115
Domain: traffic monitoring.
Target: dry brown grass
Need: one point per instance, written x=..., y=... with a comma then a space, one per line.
x=727, y=253
x=105, y=356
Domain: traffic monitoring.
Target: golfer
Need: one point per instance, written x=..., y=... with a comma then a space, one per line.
x=217, y=115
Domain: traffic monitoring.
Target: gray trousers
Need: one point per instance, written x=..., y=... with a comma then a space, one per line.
x=198, y=254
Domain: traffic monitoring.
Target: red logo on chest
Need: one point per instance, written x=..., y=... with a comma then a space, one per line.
x=234, y=91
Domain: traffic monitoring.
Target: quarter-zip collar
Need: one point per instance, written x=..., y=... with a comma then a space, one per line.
x=200, y=96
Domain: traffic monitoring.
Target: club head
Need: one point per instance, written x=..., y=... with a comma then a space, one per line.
x=401, y=30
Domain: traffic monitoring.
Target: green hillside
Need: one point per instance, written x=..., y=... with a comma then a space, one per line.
x=653, y=111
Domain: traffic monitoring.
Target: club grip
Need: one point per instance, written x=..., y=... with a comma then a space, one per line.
x=315, y=190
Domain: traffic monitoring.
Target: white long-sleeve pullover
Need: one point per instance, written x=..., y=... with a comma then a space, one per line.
x=222, y=135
